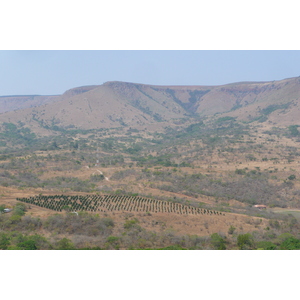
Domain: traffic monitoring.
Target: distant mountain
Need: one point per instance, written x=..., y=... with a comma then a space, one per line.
x=9, y=103
x=116, y=104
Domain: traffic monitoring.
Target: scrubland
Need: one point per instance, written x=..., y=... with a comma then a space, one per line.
x=215, y=163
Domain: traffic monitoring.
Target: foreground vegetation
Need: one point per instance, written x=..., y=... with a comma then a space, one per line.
x=69, y=231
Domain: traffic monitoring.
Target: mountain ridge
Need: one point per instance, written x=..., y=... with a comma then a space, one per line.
x=117, y=104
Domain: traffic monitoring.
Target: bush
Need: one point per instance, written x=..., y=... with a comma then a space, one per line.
x=112, y=239
x=130, y=223
x=245, y=241
x=231, y=230
x=27, y=245
x=4, y=241
x=290, y=244
x=282, y=237
x=97, y=177
x=19, y=209
x=173, y=247
x=2, y=207
x=65, y=244
x=217, y=242
x=294, y=130
x=15, y=218
x=266, y=245
x=240, y=171
x=274, y=224
x=30, y=223
x=108, y=222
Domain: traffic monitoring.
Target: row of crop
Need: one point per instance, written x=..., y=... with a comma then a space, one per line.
x=113, y=203
x=61, y=203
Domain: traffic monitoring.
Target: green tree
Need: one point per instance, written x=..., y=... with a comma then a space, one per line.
x=54, y=146
x=27, y=245
x=2, y=207
x=218, y=242
x=294, y=130
x=19, y=209
x=40, y=242
x=14, y=219
x=245, y=241
x=266, y=245
x=97, y=177
x=113, y=241
x=66, y=208
x=130, y=223
x=4, y=241
x=65, y=244
x=282, y=237
x=290, y=244
x=231, y=229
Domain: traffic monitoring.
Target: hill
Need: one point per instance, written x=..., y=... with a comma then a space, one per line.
x=119, y=104
x=9, y=103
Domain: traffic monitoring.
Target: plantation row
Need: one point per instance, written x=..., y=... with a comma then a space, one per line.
x=106, y=203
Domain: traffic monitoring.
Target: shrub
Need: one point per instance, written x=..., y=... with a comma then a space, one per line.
x=65, y=244
x=27, y=245
x=173, y=247
x=130, y=223
x=97, y=177
x=2, y=207
x=282, y=237
x=245, y=241
x=14, y=219
x=4, y=241
x=290, y=244
x=231, y=230
x=266, y=245
x=294, y=130
x=112, y=239
x=251, y=157
x=240, y=171
x=217, y=242
x=108, y=222
x=19, y=209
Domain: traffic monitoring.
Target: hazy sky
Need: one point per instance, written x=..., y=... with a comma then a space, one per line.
x=54, y=72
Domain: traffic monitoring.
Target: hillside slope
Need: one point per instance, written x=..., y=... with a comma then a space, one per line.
x=116, y=104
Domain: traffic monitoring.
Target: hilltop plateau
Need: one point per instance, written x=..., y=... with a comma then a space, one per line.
x=121, y=104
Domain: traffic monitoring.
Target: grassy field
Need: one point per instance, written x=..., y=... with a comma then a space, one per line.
x=295, y=213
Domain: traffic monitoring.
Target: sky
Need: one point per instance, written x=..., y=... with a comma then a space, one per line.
x=49, y=72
